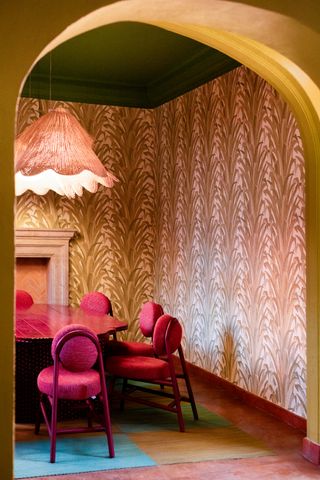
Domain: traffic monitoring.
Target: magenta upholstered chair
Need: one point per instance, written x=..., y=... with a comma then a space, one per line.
x=96, y=302
x=75, y=350
x=23, y=300
x=159, y=370
x=149, y=314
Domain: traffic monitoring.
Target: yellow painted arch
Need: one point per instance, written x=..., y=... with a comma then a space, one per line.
x=33, y=28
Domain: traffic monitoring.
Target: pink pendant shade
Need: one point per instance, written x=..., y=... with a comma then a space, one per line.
x=55, y=153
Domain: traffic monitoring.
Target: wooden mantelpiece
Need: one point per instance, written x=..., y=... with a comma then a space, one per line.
x=52, y=244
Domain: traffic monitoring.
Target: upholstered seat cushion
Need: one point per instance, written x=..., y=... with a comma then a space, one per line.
x=129, y=348
x=138, y=367
x=72, y=385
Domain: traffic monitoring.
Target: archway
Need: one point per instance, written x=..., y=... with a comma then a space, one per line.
x=208, y=22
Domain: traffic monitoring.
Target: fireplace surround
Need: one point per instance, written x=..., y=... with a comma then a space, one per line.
x=53, y=245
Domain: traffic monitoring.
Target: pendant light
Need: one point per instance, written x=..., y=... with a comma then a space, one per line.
x=55, y=153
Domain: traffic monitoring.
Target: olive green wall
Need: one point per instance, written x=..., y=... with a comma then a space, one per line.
x=208, y=217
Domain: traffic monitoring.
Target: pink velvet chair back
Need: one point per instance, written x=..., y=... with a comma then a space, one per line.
x=96, y=302
x=149, y=314
x=23, y=300
x=76, y=347
x=167, y=335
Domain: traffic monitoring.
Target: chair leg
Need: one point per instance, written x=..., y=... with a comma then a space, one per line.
x=38, y=419
x=53, y=432
x=124, y=387
x=188, y=384
x=89, y=413
x=176, y=393
x=106, y=417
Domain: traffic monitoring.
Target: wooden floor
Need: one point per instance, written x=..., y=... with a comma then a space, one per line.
x=285, y=441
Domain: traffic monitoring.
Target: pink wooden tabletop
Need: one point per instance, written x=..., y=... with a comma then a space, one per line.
x=44, y=321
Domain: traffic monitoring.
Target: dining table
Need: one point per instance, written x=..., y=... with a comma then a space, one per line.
x=35, y=329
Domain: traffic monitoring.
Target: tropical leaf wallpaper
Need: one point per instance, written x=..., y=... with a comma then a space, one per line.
x=207, y=218
x=113, y=249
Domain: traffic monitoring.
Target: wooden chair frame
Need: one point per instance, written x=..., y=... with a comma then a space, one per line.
x=175, y=405
x=53, y=400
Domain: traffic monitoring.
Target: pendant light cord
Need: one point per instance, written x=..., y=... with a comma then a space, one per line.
x=50, y=72
x=30, y=84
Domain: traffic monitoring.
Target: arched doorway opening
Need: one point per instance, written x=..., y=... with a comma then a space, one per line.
x=291, y=81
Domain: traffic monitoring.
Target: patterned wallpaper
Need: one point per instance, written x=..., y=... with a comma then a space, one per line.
x=207, y=218
x=113, y=250
x=230, y=251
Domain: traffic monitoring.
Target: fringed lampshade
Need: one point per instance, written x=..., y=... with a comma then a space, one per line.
x=55, y=153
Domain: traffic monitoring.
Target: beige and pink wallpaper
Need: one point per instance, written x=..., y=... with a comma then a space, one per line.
x=113, y=250
x=207, y=218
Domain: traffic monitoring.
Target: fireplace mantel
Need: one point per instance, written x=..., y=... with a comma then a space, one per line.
x=52, y=244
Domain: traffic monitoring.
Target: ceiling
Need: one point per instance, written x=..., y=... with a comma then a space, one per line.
x=128, y=64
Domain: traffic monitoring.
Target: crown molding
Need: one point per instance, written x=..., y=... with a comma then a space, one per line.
x=196, y=71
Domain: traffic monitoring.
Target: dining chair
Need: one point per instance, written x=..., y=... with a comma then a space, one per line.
x=75, y=350
x=23, y=300
x=159, y=369
x=96, y=302
x=149, y=314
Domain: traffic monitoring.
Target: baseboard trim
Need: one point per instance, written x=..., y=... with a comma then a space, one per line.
x=251, y=399
x=311, y=451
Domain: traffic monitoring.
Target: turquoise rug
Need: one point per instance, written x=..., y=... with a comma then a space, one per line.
x=143, y=437
x=77, y=454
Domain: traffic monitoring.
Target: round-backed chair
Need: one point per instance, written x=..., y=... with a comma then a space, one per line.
x=149, y=314
x=75, y=350
x=23, y=300
x=96, y=302
x=159, y=369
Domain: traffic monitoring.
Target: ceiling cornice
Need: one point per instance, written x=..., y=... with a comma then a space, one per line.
x=197, y=70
